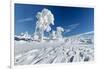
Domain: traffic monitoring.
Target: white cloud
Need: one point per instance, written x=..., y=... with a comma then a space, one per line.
x=70, y=27
x=25, y=19
x=73, y=26
x=90, y=32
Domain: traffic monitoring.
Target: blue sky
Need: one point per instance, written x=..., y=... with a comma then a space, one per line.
x=75, y=20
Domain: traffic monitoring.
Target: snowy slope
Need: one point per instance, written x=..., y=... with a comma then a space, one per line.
x=76, y=48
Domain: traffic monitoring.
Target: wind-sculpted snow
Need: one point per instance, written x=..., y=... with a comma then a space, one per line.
x=52, y=52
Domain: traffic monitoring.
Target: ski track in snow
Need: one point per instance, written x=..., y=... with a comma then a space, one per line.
x=52, y=53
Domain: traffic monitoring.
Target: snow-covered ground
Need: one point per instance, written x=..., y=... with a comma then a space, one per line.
x=71, y=49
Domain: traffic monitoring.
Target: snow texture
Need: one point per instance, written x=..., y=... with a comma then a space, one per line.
x=72, y=49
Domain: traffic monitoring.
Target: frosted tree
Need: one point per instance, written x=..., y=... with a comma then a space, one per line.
x=59, y=32
x=25, y=35
x=44, y=19
x=53, y=35
x=22, y=34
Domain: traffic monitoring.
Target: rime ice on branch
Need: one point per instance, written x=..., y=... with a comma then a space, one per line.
x=44, y=19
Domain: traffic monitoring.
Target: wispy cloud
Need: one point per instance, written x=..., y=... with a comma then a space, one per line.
x=73, y=26
x=25, y=19
x=70, y=27
x=90, y=32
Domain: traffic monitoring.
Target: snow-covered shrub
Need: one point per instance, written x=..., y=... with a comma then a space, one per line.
x=25, y=36
x=59, y=33
x=35, y=37
x=53, y=35
x=22, y=34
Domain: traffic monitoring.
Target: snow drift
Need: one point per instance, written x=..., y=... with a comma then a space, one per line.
x=47, y=52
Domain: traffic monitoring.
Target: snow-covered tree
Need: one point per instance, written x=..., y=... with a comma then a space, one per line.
x=25, y=35
x=44, y=19
x=59, y=32
x=53, y=35
x=22, y=34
